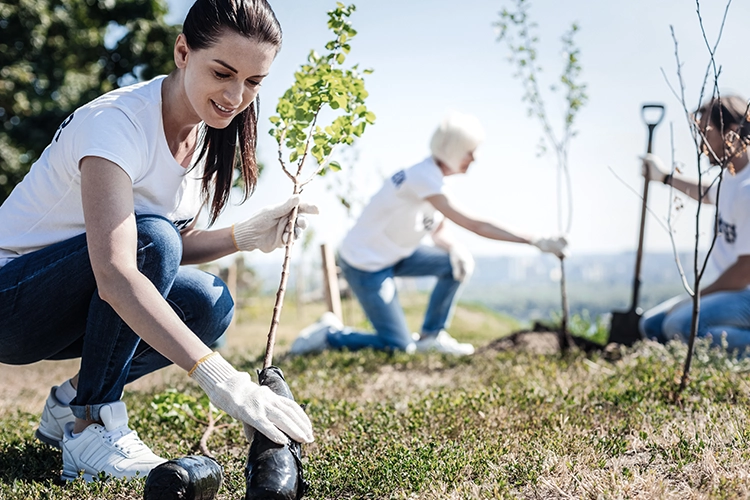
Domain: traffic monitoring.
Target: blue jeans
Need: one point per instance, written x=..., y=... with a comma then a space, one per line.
x=721, y=312
x=376, y=292
x=50, y=309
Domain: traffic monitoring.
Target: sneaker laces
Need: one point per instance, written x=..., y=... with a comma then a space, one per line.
x=125, y=439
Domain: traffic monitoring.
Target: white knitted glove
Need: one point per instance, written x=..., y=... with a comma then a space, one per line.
x=250, y=403
x=267, y=229
x=462, y=263
x=557, y=245
x=654, y=168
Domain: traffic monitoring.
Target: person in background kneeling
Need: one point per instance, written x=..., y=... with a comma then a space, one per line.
x=725, y=303
x=385, y=243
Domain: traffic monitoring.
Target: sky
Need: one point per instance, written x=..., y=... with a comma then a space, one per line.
x=433, y=56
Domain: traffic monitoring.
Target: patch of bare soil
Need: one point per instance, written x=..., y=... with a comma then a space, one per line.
x=540, y=339
x=527, y=341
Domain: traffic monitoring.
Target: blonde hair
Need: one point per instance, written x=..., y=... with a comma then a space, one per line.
x=457, y=135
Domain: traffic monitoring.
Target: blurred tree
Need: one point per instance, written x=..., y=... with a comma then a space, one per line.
x=56, y=55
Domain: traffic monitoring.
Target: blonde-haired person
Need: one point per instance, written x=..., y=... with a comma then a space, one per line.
x=725, y=303
x=385, y=243
x=93, y=242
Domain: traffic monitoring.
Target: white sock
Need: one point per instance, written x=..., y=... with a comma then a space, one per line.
x=65, y=393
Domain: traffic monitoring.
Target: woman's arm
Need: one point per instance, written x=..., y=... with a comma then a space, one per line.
x=478, y=226
x=655, y=169
x=112, y=236
x=735, y=277
x=689, y=187
x=264, y=231
x=201, y=245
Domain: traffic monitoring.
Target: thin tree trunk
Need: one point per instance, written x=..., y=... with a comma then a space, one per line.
x=563, y=335
x=268, y=359
x=693, y=334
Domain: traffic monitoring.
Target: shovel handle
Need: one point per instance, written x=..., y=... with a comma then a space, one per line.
x=644, y=206
x=651, y=123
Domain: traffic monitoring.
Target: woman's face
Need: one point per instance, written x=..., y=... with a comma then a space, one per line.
x=465, y=162
x=222, y=80
x=714, y=146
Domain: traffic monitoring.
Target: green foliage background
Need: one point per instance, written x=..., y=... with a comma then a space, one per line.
x=53, y=59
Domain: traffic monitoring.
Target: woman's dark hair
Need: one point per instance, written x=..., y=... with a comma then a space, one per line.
x=206, y=21
x=727, y=111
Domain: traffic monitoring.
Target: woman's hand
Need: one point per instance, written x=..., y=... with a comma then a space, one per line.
x=267, y=229
x=653, y=168
x=462, y=263
x=555, y=245
x=250, y=403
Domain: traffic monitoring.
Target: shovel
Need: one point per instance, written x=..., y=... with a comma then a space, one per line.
x=624, y=326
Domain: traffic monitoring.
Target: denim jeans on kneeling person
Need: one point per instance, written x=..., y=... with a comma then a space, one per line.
x=50, y=309
x=376, y=292
x=720, y=313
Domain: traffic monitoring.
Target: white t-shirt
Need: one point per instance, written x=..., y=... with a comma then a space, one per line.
x=733, y=239
x=123, y=126
x=393, y=224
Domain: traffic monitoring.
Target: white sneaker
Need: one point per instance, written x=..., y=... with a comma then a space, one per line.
x=113, y=448
x=444, y=343
x=54, y=417
x=314, y=337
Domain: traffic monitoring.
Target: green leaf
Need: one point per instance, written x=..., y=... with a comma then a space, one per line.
x=335, y=166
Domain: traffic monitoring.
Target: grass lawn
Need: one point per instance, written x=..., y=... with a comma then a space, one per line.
x=494, y=425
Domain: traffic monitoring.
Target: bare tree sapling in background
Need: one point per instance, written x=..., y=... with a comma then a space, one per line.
x=708, y=178
x=517, y=31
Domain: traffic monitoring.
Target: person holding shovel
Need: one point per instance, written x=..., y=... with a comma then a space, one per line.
x=385, y=243
x=94, y=239
x=725, y=303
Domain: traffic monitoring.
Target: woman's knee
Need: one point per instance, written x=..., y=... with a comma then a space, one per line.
x=159, y=244
x=204, y=303
x=676, y=326
x=651, y=326
x=219, y=311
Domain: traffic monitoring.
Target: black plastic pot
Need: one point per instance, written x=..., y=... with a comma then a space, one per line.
x=194, y=477
x=274, y=471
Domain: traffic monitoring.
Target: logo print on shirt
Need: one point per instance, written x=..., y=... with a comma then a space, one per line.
x=182, y=223
x=62, y=126
x=398, y=178
x=428, y=221
x=728, y=230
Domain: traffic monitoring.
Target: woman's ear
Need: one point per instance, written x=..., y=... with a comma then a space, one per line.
x=181, y=51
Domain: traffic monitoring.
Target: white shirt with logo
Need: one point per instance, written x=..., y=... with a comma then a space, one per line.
x=733, y=236
x=123, y=126
x=396, y=219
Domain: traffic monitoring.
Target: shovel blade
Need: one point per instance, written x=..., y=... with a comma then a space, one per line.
x=624, y=328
